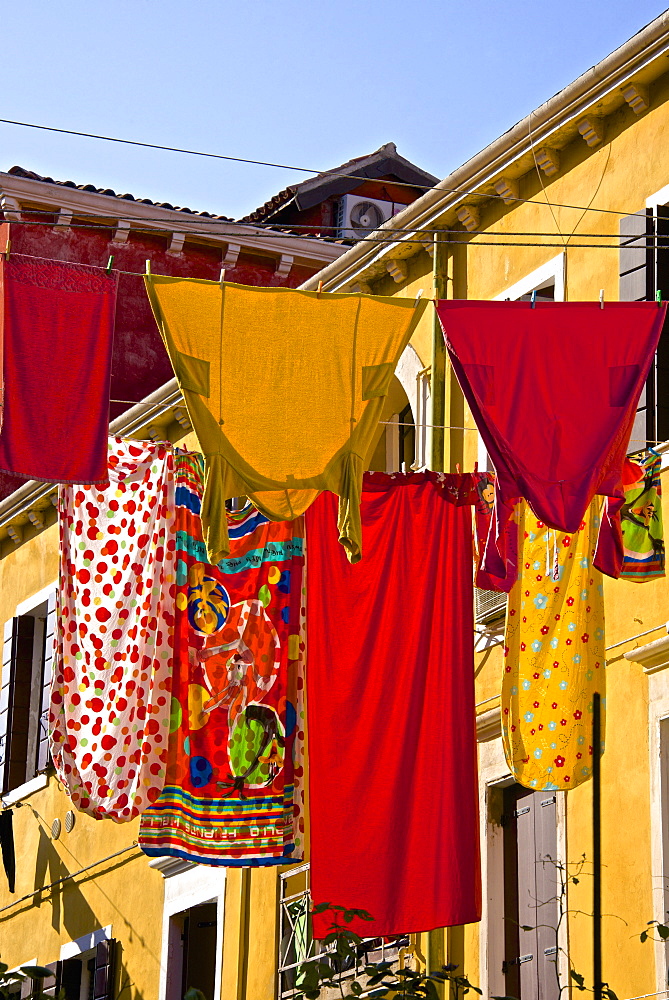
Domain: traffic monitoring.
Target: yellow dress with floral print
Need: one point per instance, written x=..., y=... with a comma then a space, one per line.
x=554, y=656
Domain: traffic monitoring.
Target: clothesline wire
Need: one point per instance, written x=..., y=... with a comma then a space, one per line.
x=306, y=170
x=389, y=423
x=273, y=229
x=650, y=241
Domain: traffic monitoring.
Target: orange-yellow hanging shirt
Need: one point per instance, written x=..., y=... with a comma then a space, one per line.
x=284, y=389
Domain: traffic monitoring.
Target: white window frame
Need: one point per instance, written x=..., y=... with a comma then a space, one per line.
x=40, y=781
x=187, y=885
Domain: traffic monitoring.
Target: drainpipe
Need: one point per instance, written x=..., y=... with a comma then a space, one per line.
x=438, y=363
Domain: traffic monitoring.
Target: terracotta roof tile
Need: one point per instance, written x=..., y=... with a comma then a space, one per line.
x=31, y=175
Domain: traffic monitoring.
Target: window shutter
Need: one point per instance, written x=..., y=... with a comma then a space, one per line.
x=103, y=985
x=50, y=987
x=528, y=914
x=530, y=890
x=28, y=988
x=662, y=356
x=637, y=284
x=644, y=268
x=43, y=757
x=636, y=258
x=15, y=701
x=545, y=830
x=70, y=978
x=6, y=679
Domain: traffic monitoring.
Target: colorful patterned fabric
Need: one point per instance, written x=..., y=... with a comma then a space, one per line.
x=234, y=793
x=110, y=695
x=302, y=421
x=554, y=654
x=641, y=516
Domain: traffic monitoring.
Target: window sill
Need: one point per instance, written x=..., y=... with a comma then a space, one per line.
x=35, y=784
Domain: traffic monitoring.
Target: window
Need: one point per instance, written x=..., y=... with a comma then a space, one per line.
x=296, y=944
x=192, y=936
x=24, y=693
x=530, y=894
x=88, y=976
x=643, y=269
x=193, y=950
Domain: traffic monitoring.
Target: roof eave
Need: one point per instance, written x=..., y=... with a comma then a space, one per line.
x=168, y=220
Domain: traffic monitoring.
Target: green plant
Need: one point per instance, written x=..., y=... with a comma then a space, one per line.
x=376, y=980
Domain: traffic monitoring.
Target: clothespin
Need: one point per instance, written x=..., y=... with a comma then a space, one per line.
x=320, y=289
x=222, y=276
x=533, y=299
x=658, y=297
x=7, y=249
x=601, y=298
x=148, y=268
x=108, y=268
x=419, y=295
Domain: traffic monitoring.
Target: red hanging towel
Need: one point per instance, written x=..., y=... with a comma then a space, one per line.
x=392, y=730
x=58, y=321
x=553, y=390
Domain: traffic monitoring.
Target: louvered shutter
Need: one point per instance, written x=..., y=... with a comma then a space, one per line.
x=103, y=985
x=50, y=987
x=29, y=989
x=527, y=899
x=530, y=894
x=644, y=268
x=662, y=356
x=15, y=701
x=43, y=756
x=545, y=834
x=6, y=679
x=70, y=978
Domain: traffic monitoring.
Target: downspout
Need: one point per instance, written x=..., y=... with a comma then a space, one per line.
x=437, y=364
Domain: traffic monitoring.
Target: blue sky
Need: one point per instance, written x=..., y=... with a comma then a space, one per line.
x=303, y=82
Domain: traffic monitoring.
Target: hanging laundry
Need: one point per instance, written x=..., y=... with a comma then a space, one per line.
x=110, y=695
x=393, y=788
x=58, y=325
x=483, y=512
x=284, y=389
x=553, y=390
x=234, y=791
x=7, y=847
x=554, y=653
x=641, y=516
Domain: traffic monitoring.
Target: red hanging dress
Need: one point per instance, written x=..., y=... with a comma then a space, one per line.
x=553, y=390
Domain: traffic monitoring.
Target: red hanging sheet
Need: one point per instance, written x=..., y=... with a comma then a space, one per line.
x=392, y=732
x=58, y=325
x=553, y=390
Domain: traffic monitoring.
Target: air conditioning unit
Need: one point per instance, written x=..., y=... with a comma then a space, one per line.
x=489, y=607
x=357, y=217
